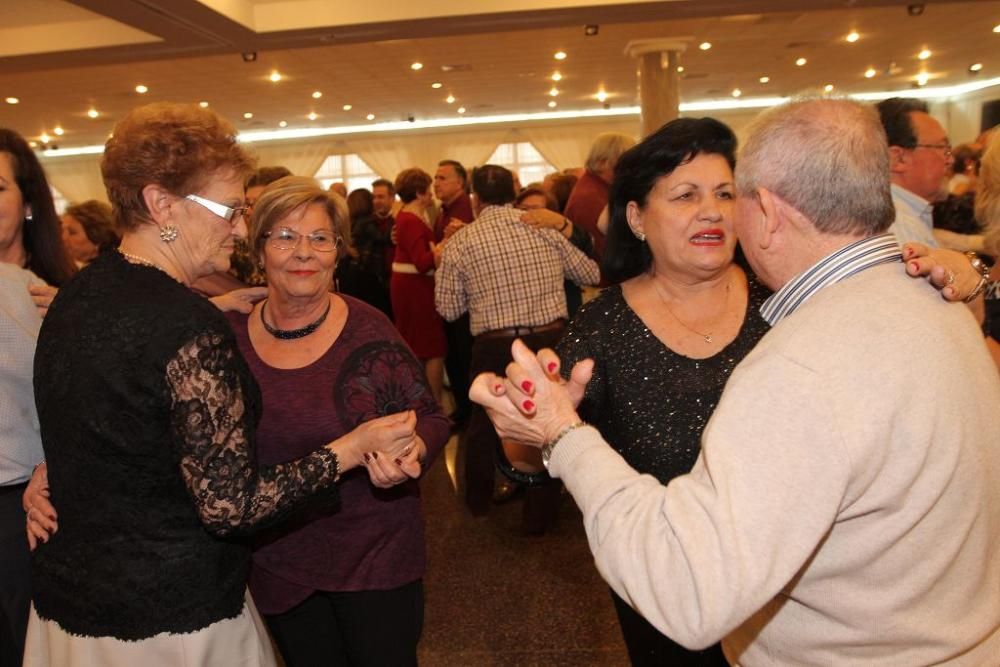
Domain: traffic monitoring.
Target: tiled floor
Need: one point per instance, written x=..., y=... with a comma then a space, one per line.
x=497, y=597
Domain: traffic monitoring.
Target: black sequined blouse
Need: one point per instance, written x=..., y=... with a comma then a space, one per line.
x=649, y=402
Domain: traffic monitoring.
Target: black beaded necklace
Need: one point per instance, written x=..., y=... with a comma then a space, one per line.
x=291, y=334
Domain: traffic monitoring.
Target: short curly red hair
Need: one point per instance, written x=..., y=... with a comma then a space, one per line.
x=176, y=146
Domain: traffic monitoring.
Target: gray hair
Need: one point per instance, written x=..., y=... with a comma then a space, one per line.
x=606, y=150
x=828, y=158
x=988, y=195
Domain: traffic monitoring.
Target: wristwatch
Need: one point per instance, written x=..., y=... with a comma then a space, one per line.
x=551, y=444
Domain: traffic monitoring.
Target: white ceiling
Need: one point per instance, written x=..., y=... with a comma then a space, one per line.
x=61, y=59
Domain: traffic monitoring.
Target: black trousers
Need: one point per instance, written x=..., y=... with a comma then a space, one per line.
x=457, y=362
x=480, y=441
x=648, y=647
x=15, y=577
x=357, y=628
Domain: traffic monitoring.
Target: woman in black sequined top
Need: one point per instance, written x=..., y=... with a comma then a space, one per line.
x=666, y=339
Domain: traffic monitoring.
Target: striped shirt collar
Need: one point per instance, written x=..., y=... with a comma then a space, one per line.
x=833, y=268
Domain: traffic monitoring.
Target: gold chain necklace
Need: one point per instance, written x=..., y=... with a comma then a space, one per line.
x=707, y=337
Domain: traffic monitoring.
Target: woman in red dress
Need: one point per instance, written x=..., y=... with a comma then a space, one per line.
x=411, y=287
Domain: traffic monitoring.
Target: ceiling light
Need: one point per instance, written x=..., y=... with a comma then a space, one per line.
x=436, y=85
x=765, y=79
x=45, y=138
x=705, y=46
x=601, y=96
x=591, y=30
x=312, y=115
x=283, y=124
x=58, y=131
x=924, y=55
x=870, y=72
x=801, y=61
x=93, y=113
x=317, y=94
x=922, y=79
x=975, y=67
x=559, y=55
x=737, y=92
x=33, y=144
x=680, y=68
x=556, y=76
x=347, y=107
x=996, y=28
x=141, y=89
x=450, y=99
x=275, y=76
x=552, y=104
x=203, y=104
x=553, y=91
x=12, y=100
x=416, y=66
x=828, y=88
x=248, y=115
x=461, y=109
x=853, y=36
x=370, y=116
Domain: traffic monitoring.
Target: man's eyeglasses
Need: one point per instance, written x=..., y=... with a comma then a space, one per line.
x=227, y=213
x=286, y=239
x=945, y=147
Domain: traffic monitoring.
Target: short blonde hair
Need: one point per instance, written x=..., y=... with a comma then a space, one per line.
x=988, y=196
x=606, y=150
x=286, y=195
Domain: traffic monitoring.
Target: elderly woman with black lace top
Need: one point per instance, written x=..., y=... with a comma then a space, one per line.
x=147, y=414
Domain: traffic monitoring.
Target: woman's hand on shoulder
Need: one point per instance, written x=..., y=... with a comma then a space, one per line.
x=42, y=295
x=240, y=300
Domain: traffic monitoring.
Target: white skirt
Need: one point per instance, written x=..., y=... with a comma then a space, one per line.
x=242, y=641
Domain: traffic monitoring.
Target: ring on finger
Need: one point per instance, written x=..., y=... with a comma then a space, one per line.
x=951, y=278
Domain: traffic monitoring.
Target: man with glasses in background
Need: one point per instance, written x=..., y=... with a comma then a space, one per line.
x=919, y=162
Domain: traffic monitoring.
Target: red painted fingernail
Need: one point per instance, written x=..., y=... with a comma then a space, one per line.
x=367, y=458
x=398, y=462
x=497, y=387
x=552, y=366
x=529, y=405
x=526, y=385
x=375, y=455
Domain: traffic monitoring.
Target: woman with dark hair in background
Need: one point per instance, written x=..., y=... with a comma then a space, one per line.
x=362, y=274
x=88, y=230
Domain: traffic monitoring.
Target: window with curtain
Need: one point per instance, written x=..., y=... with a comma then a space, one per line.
x=59, y=200
x=349, y=168
x=523, y=159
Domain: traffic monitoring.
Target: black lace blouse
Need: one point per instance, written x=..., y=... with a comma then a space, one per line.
x=147, y=416
x=649, y=402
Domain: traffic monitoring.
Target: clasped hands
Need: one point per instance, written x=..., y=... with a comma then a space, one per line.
x=388, y=447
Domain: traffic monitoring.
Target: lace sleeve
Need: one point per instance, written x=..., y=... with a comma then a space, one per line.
x=212, y=431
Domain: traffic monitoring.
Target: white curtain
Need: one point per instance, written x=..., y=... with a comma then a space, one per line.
x=78, y=178
x=389, y=155
x=566, y=146
x=302, y=158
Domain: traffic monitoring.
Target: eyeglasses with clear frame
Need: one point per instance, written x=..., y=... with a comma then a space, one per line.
x=322, y=240
x=945, y=147
x=228, y=213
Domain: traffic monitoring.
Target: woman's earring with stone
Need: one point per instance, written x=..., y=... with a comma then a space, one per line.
x=168, y=234
x=639, y=235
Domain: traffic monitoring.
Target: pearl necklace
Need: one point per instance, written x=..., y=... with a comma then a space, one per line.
x=142, y=261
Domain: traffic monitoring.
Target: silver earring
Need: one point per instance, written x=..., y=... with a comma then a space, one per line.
x=168, y=234
x=27, y=217
x=639, y=235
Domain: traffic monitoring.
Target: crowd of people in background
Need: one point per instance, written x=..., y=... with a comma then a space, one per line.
x=298, y=406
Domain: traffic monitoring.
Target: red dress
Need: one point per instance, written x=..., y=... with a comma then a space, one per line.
x=411, y=288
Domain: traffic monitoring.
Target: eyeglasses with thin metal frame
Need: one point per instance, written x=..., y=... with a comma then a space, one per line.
x=321, y=240
x=946, y=147
x=228, y=213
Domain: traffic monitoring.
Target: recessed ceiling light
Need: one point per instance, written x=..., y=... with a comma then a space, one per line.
x=801, y=61
x=556, y=76
x=275, y=76
x=283, y=124
x=45, y=138
x=347, y=107
x=12, y=100
x=922, y=79
x=975, y=67
x=996, y=28
x=924, y=55
x=705, y=46
x=601, y=96
x=92, y=113
x=765, y=79
x=450, y=99
x=553, y=91
x=312, y=115
x=460, y=109
x=248, y=115
x=370, y=116
x=141, y=89
x=33, y=144
x=58, y=131
x=870, y=72
x=680, y=68
x=737, y=92
x=436, y=85
x=828, y=88
x=559, y=55
x=203, y=104
x=416, y=66
x=853, y=36
x=552, y=104
x=317, y=94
